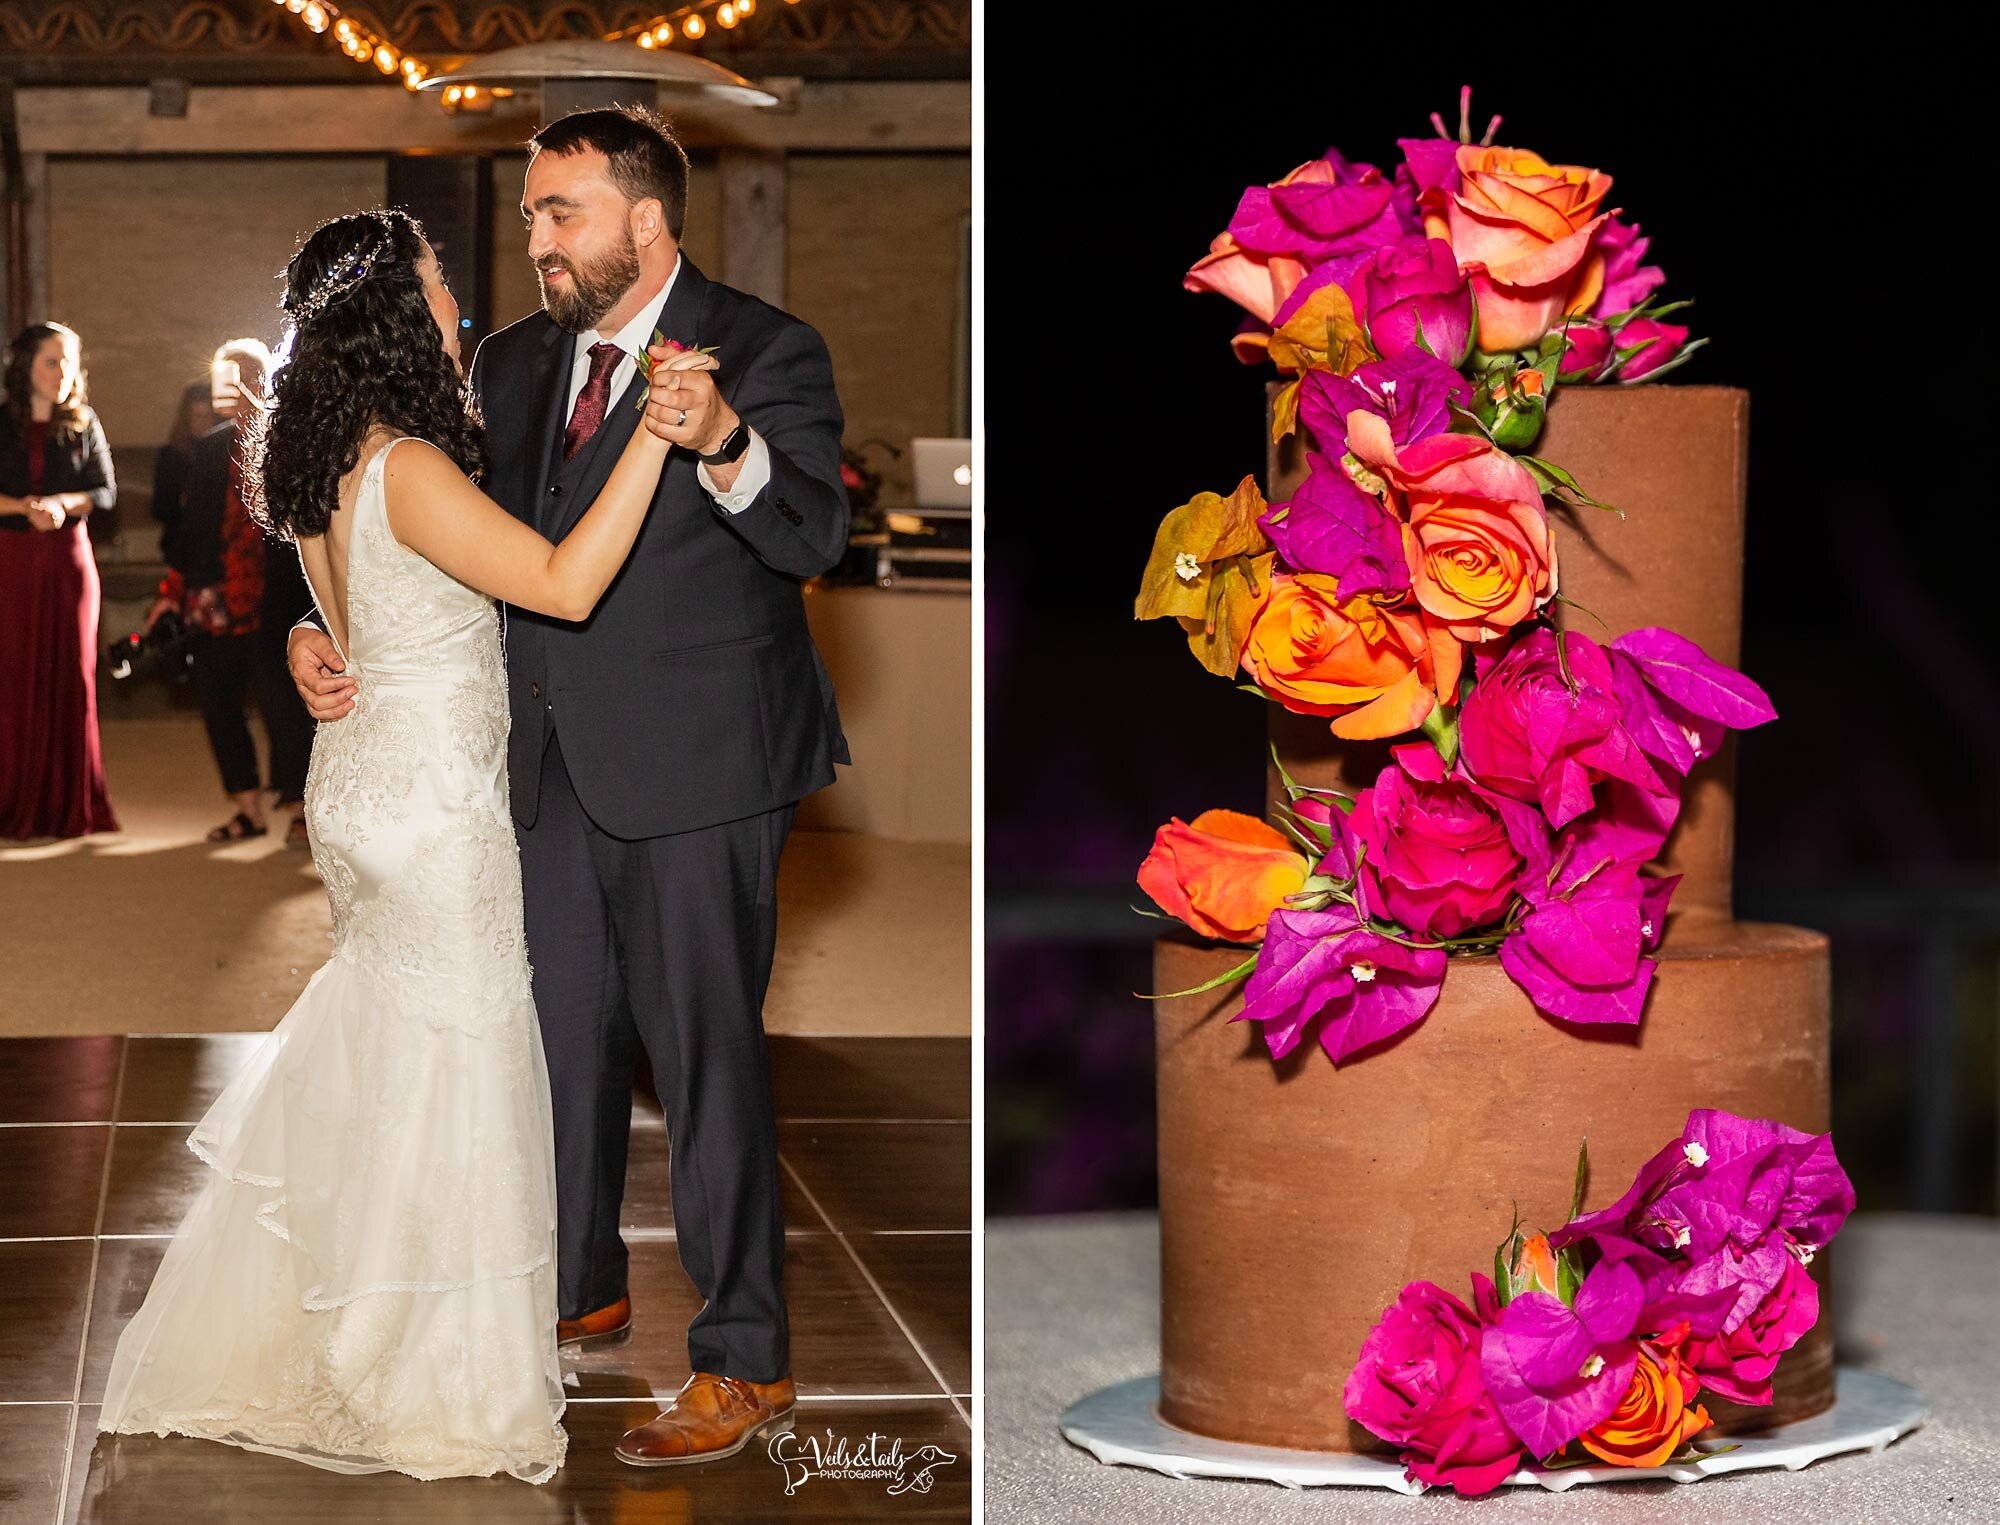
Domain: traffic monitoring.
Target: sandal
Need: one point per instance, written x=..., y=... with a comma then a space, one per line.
x=239, y=828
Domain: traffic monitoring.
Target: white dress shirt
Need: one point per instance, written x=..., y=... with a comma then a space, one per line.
x=632, y=339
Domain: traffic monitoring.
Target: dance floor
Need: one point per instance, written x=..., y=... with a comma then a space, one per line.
x=875, y=1142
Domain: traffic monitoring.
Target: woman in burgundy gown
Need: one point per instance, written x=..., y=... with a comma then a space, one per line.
x=55, y=470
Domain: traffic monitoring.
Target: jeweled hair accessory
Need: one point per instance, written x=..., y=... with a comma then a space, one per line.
x=337, y=283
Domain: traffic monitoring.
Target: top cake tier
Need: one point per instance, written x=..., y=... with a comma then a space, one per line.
x=1674, y=459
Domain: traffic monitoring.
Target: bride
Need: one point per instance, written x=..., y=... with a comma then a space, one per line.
x=366, y=1281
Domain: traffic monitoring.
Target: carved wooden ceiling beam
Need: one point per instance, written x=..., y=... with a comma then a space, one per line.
x=254, y=41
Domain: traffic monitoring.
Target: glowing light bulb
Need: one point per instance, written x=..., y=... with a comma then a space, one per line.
x=727, y=15
x=645, y=39
x=385, y=58
x=314, y=16
x=693, y=27
x=663, y=33
x=746, y=8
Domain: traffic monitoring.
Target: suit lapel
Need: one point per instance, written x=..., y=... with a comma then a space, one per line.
x=679, y=320
x=547, y=387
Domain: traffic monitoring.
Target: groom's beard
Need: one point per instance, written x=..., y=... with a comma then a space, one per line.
x=592, y=288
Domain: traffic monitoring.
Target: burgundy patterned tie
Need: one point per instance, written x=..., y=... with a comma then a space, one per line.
x=593, y=400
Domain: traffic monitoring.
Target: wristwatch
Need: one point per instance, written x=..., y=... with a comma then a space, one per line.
x=732, y=447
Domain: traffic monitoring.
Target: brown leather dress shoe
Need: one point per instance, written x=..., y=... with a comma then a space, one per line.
x=709, y=1418
x=610, y=1325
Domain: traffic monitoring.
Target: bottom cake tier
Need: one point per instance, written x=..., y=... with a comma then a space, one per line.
x=1296, y=1199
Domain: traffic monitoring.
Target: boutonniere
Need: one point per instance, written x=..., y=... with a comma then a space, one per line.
x=645, y=361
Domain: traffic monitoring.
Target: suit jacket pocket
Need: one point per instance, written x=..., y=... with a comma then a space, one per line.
x=680, y=653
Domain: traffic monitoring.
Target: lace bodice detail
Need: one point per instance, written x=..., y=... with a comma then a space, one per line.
x=430, y=706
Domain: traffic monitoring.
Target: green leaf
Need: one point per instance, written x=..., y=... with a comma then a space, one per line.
x=1241, y=971
x=1562, y=661
x=1156, y=915
x=1441, y=726
x=1695, y=1451
x=1293, y=787
x=1466, y=415
x=1307, y=834
x=1564, y=485
x=1569, y=1275
x=1504, y=1258
x=1687, y=353
x=1564, y=598
x=1582, y=1175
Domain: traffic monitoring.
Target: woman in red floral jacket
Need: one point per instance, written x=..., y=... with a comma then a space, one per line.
x=216, y=583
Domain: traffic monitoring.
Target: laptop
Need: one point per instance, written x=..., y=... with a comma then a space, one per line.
x=943, y=472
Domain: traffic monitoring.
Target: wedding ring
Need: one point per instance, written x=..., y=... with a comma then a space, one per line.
x=684, y=419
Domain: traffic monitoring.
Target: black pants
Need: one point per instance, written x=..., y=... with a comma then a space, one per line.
x=224, y=668
x=666, y=941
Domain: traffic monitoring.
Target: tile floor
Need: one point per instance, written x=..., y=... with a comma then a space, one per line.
x=875, y=1142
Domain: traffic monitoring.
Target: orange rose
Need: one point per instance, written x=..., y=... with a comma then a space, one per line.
x=1376, y=668
x=1534, y=1269
x=1477, y=537
x=1223, y=875
x=1522, y=229
x=1654, y=1419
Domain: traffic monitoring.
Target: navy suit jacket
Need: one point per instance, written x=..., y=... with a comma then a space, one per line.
x=693, y=694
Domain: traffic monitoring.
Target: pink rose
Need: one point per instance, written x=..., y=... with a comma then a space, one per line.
x=1662, y=342
x=1409, y=288
x=1590, y=350
x=1628, y=280
x=1418, y=1385
x=1533, y=731
x=1738, y=1365
x=1438, y=859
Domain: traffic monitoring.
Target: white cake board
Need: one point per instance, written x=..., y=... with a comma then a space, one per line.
x=1121, y=1423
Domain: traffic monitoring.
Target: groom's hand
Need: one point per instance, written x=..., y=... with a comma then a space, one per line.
x=319, y=674
x=683, y=407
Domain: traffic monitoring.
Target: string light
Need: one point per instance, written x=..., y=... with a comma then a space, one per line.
x=365, y=47
x=693, y=22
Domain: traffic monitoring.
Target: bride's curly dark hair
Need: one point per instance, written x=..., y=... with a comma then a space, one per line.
x=367, y=353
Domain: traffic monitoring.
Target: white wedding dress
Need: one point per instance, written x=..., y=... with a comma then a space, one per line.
x=366, y=1281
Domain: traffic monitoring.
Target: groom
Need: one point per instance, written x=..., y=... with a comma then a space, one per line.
x=658, y=750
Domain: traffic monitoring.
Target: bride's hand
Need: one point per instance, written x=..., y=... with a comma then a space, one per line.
x=682, y=405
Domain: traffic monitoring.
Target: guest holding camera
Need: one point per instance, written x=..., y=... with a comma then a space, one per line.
x=219, y=584
x=55, y=470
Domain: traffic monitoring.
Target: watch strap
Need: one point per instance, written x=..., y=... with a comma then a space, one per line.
x=732, y=447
